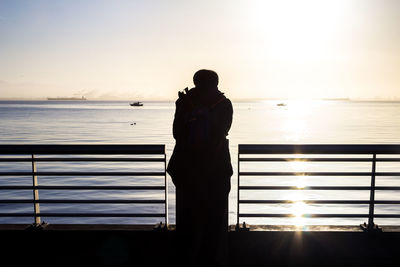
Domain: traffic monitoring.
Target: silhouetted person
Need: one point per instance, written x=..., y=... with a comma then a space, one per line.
x=201, y=169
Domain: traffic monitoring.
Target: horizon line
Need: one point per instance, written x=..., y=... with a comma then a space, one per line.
x=396, y=99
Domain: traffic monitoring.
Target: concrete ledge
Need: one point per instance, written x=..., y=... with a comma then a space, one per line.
x=138, y=245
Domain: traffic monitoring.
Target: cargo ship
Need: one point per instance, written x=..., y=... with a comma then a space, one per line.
x=66, y=98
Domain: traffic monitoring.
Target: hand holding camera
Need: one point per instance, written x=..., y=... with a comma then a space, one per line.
x=182, y=93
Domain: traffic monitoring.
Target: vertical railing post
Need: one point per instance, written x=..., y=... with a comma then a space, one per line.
x=238, y=189
x=166, y=190
x=36, y=207
x=372, y=195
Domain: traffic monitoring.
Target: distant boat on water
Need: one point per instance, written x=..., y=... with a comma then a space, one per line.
x=281, y=105
x=66, y=98
x=136, y=104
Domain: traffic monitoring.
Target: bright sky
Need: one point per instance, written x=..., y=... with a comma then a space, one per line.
x=150, y=49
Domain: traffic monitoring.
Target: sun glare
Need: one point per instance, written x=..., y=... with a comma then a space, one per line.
x=311, y=25
x=297, y=165
x=299, y=209
x=300, y=184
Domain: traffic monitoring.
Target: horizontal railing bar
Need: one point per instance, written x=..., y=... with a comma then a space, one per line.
x=44, y=187
x=49, y=201
x=162, y=159
x=304, y=188
x=319, y=149
x=258, y=215
x=307, y=159
x=318, y=188
x=89, y=187
x=120, y=149
x=386, y=215
x=143, y=215
x=318, y=173
x=163, y=173
x=82, y=159
x=305, y=201
x=82, y=201
x=248, y=201
x=305, y=173
x=320, y=159
x=388, y=159
x=387, y=174
x=387, y=201
x=82, y=173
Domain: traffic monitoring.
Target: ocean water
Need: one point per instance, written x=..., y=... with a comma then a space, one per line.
x=256, y=122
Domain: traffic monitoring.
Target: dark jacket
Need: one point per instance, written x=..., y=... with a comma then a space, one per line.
x=214, y=159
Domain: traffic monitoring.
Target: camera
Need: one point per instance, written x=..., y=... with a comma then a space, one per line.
x=182, y=93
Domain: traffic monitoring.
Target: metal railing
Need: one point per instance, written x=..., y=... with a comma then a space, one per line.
x=33, y=154
x=371, y=154
x=83, y=153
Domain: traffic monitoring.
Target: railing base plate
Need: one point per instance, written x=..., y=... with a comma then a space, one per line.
x=244, y=227
x=160, y=227
x=374, y=228
x=37, y=226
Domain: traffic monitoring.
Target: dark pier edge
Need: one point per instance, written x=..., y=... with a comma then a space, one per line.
x=140, y=245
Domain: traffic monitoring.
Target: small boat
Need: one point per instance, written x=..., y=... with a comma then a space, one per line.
x=281, y=105
x=136, y=104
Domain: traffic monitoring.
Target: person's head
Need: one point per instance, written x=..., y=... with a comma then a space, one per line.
x=205, y=78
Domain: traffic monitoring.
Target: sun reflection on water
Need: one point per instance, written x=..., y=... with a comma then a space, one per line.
x=296, y=119
x=294, y=129
x=298, y=166
x=299, y=208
